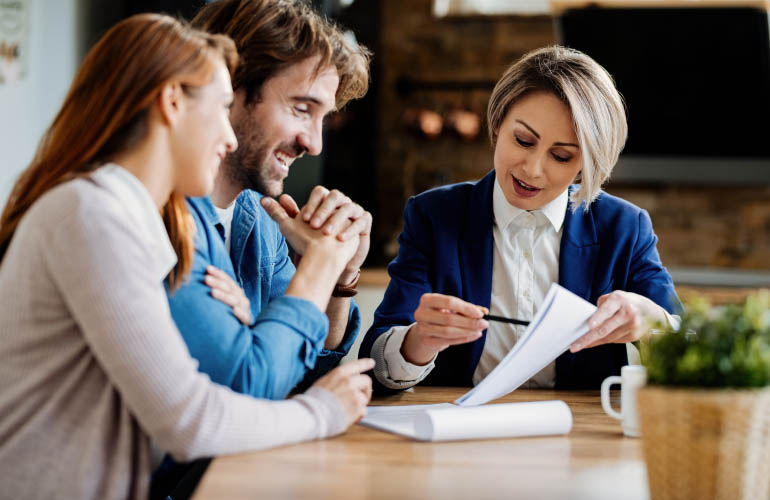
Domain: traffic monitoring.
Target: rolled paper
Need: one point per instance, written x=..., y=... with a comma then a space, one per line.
x=540, y=418
x=448, y=422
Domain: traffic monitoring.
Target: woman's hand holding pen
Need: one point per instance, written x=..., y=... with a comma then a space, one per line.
x=621, y=317
x=441, y=321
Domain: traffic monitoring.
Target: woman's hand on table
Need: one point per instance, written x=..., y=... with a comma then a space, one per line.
x=441, y=321
x=620, y=317
x=351, y=387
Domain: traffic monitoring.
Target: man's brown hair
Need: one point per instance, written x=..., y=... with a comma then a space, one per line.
x=273, y=34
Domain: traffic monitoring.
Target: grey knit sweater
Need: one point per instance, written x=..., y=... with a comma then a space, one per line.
x=92, y=366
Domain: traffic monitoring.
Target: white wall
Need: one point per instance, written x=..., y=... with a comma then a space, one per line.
x=28, y=106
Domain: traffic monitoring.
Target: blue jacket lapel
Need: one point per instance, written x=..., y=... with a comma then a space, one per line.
x=475, y=244
x=579, y=252
x=475, y=251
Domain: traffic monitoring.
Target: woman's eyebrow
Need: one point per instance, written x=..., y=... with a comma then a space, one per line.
x=529, y=128
x=538, y=136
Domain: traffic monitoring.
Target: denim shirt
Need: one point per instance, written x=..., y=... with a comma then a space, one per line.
x=285, y=344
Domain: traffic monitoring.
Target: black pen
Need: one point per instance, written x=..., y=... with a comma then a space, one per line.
x=502, y=319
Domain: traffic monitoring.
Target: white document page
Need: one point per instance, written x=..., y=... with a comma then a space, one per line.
x=397, y=419
x=559, y=322
x=448, y=422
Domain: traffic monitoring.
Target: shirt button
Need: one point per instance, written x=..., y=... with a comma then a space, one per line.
x=526, y=254
x=526, y=293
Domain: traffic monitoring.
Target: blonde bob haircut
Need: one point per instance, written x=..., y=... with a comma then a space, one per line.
x=598, y=110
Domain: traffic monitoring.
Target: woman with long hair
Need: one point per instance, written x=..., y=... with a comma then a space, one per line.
x=92, y=367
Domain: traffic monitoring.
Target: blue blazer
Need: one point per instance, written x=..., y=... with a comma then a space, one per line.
x=446, y=247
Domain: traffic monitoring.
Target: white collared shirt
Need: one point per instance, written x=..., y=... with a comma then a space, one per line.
x=525, y=261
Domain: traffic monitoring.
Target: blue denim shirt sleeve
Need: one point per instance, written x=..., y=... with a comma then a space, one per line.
x=327, y=359
x=265, y=360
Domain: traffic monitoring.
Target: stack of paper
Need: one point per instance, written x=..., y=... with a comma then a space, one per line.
x=559, y=322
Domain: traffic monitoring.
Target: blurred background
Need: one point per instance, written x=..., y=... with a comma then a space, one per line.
x=695, y=74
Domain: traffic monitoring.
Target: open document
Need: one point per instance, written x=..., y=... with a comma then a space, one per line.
x=559, y=322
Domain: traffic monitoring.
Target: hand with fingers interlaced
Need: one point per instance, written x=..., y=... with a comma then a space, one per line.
x=330, y=212
x=324, y=256
x=336, y=214
x=301, y=236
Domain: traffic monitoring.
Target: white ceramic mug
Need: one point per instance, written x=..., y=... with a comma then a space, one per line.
x=631, y=378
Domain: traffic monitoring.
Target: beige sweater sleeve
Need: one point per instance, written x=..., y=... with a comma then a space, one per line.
x=104, y=271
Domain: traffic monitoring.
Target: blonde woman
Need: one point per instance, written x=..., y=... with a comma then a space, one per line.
x=557, y=125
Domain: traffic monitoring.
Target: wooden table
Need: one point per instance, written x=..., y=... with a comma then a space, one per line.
x=595, y=461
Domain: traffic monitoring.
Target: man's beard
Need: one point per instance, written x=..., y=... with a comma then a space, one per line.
x=249, y=166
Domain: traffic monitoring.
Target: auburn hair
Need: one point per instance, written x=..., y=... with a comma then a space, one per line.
x=274, y=34
x=105, y=113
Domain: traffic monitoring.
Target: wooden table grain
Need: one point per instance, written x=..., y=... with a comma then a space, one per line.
x=594, y=461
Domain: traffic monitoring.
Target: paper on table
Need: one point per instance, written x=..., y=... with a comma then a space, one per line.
x=397, y=419
x=559, y=322
x=448, y=422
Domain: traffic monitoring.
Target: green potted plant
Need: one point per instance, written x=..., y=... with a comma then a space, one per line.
x=705, y=415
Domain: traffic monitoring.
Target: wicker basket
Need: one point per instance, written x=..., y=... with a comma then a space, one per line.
x=706, y=444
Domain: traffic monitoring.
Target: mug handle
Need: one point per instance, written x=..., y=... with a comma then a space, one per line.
x=609, y=381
